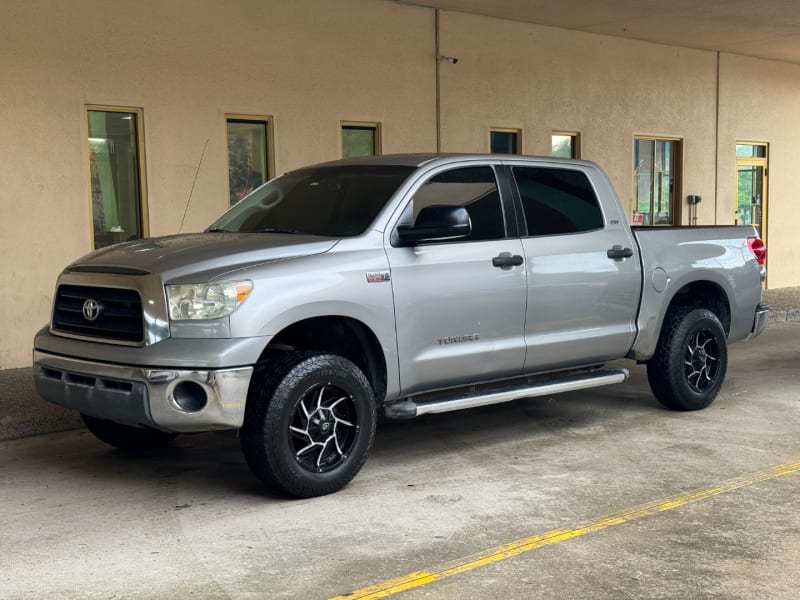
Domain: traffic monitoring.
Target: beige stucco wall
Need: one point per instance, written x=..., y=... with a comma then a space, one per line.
x=541, y=79
x=312, y=63
x=307, y=63
x=760, y=102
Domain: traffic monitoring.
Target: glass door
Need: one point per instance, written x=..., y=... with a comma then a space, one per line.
x=751, y=186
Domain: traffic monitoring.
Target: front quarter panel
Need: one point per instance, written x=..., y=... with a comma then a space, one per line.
x=335, y=283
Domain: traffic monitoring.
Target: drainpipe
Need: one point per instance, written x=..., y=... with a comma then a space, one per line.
x=716, y=151
x=438, y=81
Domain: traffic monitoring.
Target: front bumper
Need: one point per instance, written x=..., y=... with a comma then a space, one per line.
x=178, y=400
x=760, y=320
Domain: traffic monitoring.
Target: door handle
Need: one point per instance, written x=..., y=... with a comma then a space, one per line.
x=617, y=252
x=505, y=260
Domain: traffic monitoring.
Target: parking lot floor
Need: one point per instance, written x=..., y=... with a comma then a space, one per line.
x=594, y=494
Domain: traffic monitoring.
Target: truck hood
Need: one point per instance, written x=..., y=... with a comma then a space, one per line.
x=178, y=256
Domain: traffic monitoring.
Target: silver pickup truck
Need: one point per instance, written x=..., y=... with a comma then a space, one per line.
x=409, y=284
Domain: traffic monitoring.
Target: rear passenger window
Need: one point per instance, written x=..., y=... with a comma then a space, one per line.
x=474, y=188
x=557, y=201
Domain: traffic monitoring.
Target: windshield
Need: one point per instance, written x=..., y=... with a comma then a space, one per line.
x=328, y=201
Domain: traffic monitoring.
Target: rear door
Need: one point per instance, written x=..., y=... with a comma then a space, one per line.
x=582, y=303
x=459, y=317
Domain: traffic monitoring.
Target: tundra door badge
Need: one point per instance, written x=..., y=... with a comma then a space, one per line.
x=378, y=276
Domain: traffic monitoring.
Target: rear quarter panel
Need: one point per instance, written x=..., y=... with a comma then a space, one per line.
x=674, y=257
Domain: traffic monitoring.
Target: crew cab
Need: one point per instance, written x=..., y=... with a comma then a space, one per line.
x=406, y=284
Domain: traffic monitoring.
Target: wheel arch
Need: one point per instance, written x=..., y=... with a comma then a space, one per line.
x=337, y=334
x=702, y=294
x=698, y=293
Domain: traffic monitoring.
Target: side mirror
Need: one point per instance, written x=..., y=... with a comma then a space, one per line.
x=436, y=223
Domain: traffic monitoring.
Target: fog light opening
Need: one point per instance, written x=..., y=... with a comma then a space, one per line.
x=189, y=396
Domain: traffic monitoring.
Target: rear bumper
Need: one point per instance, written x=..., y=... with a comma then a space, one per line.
x=760, y=320
x=179, y=400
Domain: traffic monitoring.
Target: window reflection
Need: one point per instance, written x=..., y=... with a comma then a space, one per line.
x=247, y=156
x=360, y=140
x=655, y=181
x=565, y=145
x=504, y=142
x=114, y=176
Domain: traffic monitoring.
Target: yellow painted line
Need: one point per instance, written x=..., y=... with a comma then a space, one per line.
x=515, y=548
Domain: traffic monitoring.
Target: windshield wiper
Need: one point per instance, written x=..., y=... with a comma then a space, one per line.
x=217, y=230
x=280, y=230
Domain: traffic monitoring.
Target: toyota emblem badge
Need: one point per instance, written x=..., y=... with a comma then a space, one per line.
x=91, y=309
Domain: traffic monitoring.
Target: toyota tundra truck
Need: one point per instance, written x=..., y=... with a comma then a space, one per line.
x=405, y=285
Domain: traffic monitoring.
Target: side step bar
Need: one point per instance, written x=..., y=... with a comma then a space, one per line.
x=409, y=409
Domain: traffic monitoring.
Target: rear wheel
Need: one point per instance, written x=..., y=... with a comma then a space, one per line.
x=126, y=437
x=688, y=368
x=309, y=423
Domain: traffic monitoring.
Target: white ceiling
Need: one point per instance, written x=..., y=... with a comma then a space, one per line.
x=763, y=28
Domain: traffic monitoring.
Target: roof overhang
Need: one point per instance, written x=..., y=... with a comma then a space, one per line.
x=767, y=29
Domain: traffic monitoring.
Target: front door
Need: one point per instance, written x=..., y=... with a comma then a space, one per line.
x=460, y=318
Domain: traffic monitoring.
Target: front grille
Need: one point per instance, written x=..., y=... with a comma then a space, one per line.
x=120, y=313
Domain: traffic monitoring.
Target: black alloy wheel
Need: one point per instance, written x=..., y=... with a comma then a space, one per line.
x=691, y=359
x=324, y=428
x=309, y=423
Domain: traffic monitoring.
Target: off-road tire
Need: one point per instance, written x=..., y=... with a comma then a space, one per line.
x=126, y=437
x=689, y=365
x=294, y=405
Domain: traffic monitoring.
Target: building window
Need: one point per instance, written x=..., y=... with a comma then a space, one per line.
x=565, y=144
x=360, y=139
x=656, y=182
x=505, y=141
x=249, y=154
x=748, y=150
x=116, y=174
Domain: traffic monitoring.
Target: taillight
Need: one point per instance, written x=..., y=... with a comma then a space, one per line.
x=758, y=248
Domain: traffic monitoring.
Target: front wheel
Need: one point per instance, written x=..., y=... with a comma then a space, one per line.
x=127, y=437
x=309, y=423
x=688, y=368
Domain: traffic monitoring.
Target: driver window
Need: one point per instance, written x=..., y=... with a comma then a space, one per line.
x=474, y=188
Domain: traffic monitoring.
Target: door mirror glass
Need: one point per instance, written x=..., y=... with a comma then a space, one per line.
x=435, y=223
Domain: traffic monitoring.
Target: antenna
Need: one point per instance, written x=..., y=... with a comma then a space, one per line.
x=194, y=181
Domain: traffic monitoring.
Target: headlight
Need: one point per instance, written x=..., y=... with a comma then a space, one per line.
x=206, y=300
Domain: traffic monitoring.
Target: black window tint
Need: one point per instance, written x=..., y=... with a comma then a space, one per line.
x=474, y=188
x=328, y=201
x=557, y=201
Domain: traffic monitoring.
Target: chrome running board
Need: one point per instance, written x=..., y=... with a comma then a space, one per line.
x=408, y=409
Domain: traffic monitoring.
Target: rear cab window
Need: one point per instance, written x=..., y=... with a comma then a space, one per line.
x=556, y=201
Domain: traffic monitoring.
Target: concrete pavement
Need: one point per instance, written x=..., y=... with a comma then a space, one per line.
x=81, y=520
